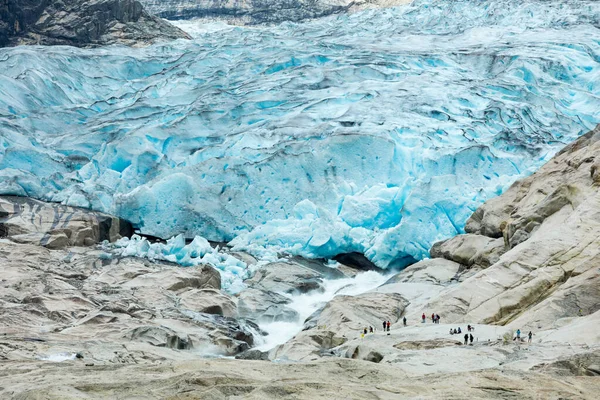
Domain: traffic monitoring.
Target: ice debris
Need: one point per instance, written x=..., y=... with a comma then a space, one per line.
x=198, y=252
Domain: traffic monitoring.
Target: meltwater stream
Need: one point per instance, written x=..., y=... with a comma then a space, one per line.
x=306, y=304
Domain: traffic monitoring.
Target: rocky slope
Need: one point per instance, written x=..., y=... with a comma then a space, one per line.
x=81, y=23
x=259, y=11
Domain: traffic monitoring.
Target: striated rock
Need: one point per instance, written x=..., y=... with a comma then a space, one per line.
x=578, y=365
x=258, y=11
x=253, y=355
x=470, y=250
x=25, y=220
x=159, y=336
x=264, y=305
x=437, y=271
x=220, y=379
x=81, y=23
x=209, y=301
x=286, y=277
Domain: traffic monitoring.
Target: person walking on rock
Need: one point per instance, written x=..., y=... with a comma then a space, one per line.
x=529, y=335
x=384, y=325
x=388, y=325
x=433, y=318
x=466, y=338
x=370, y=329
x=423, y=318
x=519, y=335
x=471, y=338
x=404, y=320
x=437, y=318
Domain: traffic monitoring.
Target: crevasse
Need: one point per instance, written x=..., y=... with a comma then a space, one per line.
x=378, y=132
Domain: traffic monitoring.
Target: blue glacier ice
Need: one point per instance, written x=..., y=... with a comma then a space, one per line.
x=176, y=250
x=378, y=132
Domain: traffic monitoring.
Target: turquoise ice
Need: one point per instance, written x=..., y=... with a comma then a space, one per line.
x=378, y=132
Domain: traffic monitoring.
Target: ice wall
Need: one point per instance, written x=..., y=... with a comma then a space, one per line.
x=378, y=132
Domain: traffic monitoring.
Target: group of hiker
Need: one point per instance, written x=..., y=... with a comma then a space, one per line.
x=468, y=336
x=435, y=318
x=518, y=337
x=386, y=326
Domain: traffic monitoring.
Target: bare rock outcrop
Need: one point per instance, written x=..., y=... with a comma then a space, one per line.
x=259, y=11
x=81, y=23
x=56, y=226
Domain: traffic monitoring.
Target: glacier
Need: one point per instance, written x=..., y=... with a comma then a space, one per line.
x=378, y=132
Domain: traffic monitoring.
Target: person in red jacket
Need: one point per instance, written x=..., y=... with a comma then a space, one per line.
x=423, y=318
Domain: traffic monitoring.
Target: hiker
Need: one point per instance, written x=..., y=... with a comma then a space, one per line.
x=423, y=318
x=451, y=331
x=388, y=325
x=466, y=338
x=455, y=331
x=433, y=318
x=384, y=325
x=519, y=334
x=529, y=335
x=365, y=331
x=471, y=338
x=459, y=331
x=437, y=318
x=370, y=329
x=404, y=320
x=469, y=328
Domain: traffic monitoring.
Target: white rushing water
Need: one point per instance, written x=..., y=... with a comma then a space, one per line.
x=307, y=303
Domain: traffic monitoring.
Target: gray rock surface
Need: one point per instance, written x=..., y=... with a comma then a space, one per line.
x=264, y=305
x=286, y=277
x=259, y=11
x=25, y=220
x=81, y=23
x=470, y=250
x=66, y=296
x=80, y=295
x=339, y=320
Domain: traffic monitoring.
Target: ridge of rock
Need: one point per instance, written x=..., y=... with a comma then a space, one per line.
x=259, y=11
x=81, y=23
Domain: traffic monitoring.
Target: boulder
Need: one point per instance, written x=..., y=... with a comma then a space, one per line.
x=286, y=277
x=263, y=305
x=470, y=250
x=438, y=271
x=209, y=301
